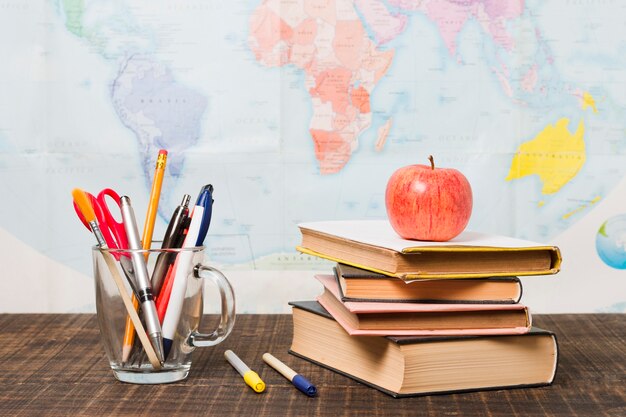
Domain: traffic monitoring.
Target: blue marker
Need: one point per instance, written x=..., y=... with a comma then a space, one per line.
x=205, y=199
x=297, y=380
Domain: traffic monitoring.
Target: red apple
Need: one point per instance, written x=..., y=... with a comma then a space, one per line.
x=428, y=203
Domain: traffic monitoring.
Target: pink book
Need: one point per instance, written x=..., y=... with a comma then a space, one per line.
x=414, y=319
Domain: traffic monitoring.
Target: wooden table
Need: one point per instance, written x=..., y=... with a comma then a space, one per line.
x=53, y=365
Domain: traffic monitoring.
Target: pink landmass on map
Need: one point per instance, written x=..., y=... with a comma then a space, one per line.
x=333, y=86
x=504, y=81
x=451, y=16
x=530, y=79
x=385, y=25
x=342, y=65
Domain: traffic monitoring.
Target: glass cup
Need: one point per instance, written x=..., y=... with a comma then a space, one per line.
x=109, y=265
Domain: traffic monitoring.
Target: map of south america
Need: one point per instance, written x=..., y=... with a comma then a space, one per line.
x=161, y=112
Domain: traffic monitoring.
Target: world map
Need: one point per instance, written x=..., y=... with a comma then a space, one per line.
x=300, y=110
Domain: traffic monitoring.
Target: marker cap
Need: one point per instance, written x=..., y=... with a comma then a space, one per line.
x=304, y=385
x=254, y=381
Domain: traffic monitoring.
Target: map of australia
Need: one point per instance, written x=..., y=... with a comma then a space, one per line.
x=555, y=155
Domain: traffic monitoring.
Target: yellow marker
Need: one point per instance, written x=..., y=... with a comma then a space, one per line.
x=252, y=379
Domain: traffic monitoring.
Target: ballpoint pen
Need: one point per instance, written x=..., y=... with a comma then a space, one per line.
x=174, y=238
x=84, y=205
x=251, y=378
x=206, y=200
x=164, y=297
x=181, y=269
x=146, y=299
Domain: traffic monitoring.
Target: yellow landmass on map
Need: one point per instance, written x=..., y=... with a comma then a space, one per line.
x=555, y=155
x=582, y=207
x=589, y=101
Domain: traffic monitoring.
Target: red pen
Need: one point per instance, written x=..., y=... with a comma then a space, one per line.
x=164, y=296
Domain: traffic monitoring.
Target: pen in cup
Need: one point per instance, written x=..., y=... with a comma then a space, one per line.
x=146, y=298
x=205, y=200
x=174, y=237
x=194, y=238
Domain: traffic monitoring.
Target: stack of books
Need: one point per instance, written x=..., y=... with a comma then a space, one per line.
x=413, y=318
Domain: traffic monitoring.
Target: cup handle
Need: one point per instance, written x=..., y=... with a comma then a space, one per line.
x=227, y=320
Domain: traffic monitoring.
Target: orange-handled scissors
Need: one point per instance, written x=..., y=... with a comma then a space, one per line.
x=112, y=230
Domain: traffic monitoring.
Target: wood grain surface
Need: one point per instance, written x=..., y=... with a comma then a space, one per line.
x=53, y=365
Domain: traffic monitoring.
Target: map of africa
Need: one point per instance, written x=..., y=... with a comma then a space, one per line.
x=301, y=110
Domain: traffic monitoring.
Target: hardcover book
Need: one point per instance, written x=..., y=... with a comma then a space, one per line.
x=410, y=319
x=375, y=246
x=358, y=284
x=408, y=366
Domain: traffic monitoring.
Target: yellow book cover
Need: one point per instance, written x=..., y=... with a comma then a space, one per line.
x=374, y=245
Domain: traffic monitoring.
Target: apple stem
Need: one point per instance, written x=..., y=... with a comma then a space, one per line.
x=432, y=162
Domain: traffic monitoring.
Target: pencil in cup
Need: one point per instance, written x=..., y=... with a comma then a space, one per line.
x=155, y=193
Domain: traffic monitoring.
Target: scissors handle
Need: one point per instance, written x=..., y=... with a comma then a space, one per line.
x=116, y=228
x=99, y=215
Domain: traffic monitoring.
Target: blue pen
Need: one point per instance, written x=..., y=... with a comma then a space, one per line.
x=296, y=379
x=205, y=199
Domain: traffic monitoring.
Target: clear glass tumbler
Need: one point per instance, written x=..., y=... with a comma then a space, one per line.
x=112, y=314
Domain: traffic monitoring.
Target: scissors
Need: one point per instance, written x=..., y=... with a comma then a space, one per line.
x=112, y=230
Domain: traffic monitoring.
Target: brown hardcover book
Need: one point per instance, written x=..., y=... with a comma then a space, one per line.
x=410, y=319
x=358, y=284
x=374, y=245
x=407, y=366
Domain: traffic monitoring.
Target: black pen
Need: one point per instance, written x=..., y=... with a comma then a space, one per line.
x=174, y=237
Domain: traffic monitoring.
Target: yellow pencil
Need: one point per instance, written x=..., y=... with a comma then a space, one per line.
x=155, y=193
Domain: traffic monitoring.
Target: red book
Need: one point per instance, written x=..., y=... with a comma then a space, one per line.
x=415, y=319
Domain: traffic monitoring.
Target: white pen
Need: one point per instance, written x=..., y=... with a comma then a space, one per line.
x=179, y=286
x=144, y=288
